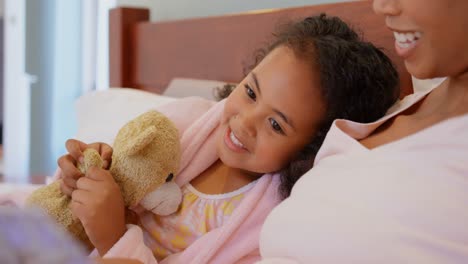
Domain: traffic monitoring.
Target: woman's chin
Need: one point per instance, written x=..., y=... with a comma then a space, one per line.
x=422, y=71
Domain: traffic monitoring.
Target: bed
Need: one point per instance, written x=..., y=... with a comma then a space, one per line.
x=148, y=55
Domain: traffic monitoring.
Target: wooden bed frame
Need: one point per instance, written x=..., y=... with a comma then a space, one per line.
x=147, y=55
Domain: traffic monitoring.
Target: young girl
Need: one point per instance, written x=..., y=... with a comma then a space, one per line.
x=242, y=155
x=396, y=190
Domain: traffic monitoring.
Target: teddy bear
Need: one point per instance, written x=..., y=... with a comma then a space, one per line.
x=145, y=160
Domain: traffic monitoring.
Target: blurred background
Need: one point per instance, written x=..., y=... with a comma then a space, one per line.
x=52, y=52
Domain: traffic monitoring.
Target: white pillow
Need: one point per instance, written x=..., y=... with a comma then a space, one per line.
x=184, y=87
x=100, y=114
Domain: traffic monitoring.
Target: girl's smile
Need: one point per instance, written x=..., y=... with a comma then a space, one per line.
x=233, y=143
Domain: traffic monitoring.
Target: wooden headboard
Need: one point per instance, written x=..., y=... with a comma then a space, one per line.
x=147, y=55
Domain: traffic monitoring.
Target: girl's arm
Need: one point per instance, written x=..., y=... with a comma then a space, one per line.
x=183, y=113
x=98, y=203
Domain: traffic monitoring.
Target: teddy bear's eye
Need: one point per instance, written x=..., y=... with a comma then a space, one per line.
x=170, y=177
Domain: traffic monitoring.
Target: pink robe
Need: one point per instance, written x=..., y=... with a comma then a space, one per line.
x=235, y=242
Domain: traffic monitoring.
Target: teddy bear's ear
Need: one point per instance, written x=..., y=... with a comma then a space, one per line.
x=140, y=141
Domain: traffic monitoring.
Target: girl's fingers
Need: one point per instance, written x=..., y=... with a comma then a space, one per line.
x=69, y=182
x=68, y=166
x=80, y=196
x=85, y=183
x=76, y=148
x=77, y=209
x=98, y=174
x=65, y=189
x=105, y=151
x=96, y=181
x=106, y=154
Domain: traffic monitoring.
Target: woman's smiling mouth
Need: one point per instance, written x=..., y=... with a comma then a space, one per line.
x=405, y=42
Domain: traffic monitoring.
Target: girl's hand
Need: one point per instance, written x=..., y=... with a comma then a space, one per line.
x=67, y=163
x=99, y=205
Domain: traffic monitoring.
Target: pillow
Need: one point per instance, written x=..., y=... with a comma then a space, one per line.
x=100, y=114
x=420, y=85
x=184, y=87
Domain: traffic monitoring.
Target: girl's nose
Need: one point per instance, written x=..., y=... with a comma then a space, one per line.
x=248, y=123
x=387, y=7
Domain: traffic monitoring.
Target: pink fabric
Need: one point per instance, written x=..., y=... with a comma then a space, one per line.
x=237, y=241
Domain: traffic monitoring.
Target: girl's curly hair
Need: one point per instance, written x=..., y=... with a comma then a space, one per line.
x=358, y=81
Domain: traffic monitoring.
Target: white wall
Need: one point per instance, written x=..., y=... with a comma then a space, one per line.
x=42, y=80
x=178, y=9
x=16, y=133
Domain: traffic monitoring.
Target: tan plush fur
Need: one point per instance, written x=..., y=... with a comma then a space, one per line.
x=145, y=152
x=91, y=158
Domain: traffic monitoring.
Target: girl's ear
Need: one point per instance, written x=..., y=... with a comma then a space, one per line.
x=137, y=144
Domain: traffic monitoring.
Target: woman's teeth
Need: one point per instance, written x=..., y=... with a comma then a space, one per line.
x=405, y=40
x=235, y=140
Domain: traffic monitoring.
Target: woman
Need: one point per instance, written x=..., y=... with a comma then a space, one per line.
x=396, y=190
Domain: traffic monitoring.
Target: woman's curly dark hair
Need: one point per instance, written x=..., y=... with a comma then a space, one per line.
x=358, y=81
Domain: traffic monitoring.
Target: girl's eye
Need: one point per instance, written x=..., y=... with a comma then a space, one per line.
x=275, y=126
x=250, y=92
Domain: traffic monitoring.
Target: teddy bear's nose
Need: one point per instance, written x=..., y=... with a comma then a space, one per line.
x=170, y=177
